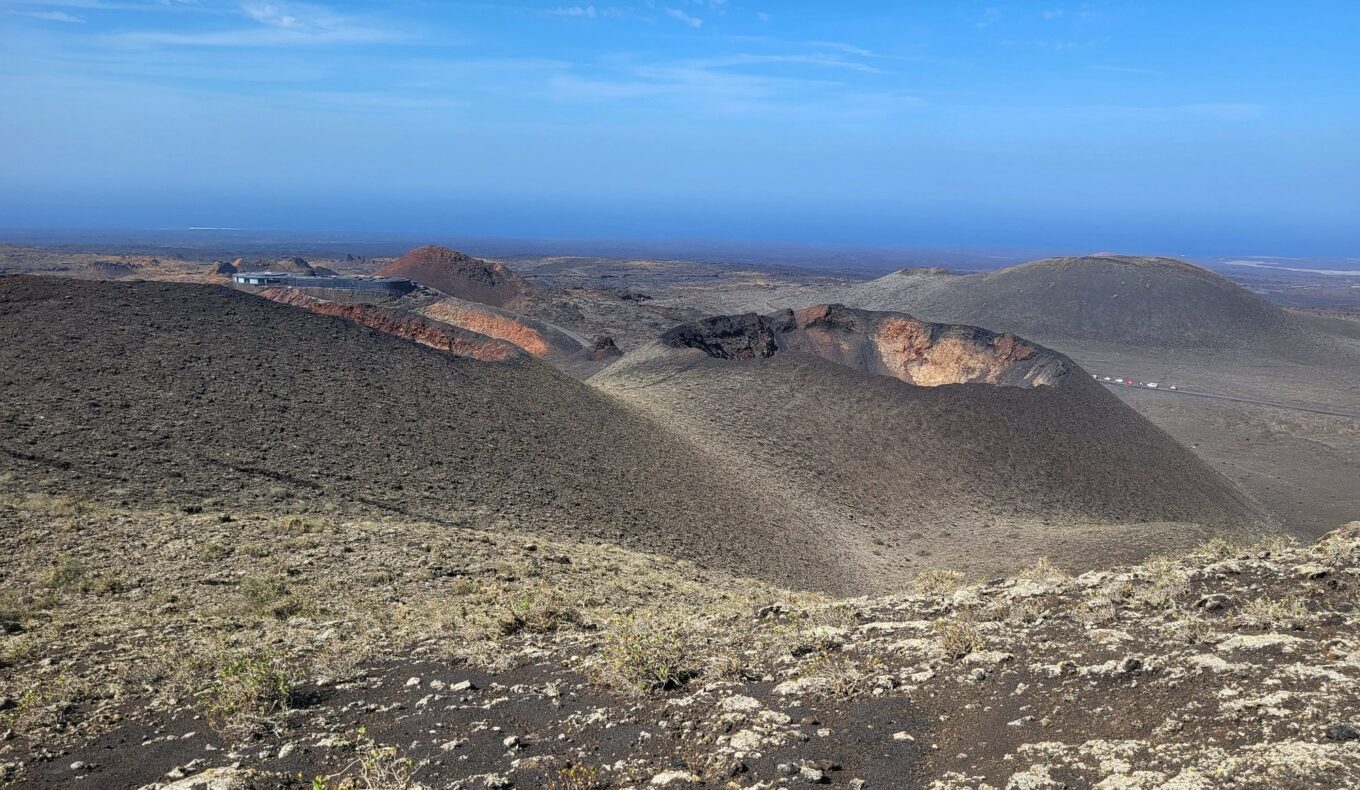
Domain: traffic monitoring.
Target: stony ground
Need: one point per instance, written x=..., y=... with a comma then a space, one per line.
x=205, y=649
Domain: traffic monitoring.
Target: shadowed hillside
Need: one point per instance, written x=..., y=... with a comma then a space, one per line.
x=210, y=398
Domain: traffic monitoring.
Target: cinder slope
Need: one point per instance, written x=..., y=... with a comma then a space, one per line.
x=206, y=397
x=461, y=276
x=1155, y=302
x=985, y=475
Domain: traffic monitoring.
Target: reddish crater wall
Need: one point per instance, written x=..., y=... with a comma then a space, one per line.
x=454, y=340
x=498, y=326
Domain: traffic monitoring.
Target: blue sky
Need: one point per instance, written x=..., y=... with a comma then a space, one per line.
x=1201, y=127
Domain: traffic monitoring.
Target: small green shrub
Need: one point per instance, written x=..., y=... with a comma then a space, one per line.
x=247, y=691
x=577, y=777
x=647, y=654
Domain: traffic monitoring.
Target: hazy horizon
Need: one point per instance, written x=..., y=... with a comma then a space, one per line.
x=1086, y=126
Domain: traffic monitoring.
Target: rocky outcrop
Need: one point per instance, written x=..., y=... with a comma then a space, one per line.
x=604, y=350
x=461, y=276
x=455, y=340
x=109, y=270
x=286, y=265
x=879, y=343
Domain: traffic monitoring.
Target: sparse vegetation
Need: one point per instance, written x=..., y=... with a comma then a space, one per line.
x=610, y=617
x=936, y=581
x=66, y=572
x=302, y=525
x=247, y=691
x=375, y=767
x=1165, y=584
x=647, y=654
x=269, y=596
x=958, y=635
x=1276, y=614
x=577, y=777
x=1042, y=571
x=838, y=676
x=537, y=610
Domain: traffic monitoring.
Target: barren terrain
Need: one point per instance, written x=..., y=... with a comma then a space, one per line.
x=401, y=544
x=268, y=649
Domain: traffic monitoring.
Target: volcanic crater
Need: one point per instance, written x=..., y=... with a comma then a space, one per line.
x=879, y=343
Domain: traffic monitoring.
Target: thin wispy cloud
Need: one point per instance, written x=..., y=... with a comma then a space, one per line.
x=50, y=16
x=843, y=47
x=587, y=11
x=1127, y=70
x=676, y=13
x=99, y=5
x=274, y=15
x=276, y=25
x=813, y=59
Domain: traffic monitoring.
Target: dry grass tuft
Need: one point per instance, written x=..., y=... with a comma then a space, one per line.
x=1043, y=571
x=376, y=767
x=936, y=581
x=1276, y=614
x=538, y=610
x=958, y=635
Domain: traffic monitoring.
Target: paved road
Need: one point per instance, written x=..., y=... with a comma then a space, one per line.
x=1193, y=394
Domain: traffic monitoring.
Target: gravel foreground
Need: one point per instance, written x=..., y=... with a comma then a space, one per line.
x=173, y=649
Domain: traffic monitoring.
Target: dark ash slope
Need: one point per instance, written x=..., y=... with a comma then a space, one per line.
x=975, y=475
x=206, y=397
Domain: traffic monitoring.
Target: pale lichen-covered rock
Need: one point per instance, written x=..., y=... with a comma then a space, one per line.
x=1211, y=663
x=801, y=686
x=738, y=703
x=1276, y=704
x=746, y=741
x=1035, y=777
x=1251, y=642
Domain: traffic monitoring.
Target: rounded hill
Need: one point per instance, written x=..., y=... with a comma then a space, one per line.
x=462, y=276
x=1157, y=302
